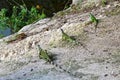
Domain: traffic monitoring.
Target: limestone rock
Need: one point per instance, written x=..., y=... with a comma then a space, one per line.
x=97, y=58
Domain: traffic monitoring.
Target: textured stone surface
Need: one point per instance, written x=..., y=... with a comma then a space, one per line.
x=98, y=60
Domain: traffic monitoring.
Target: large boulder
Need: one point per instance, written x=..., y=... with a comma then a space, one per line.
x=96, y=57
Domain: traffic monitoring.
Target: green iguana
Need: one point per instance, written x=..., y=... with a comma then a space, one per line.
x=66, y=37
x=43, y=54
x=93, y=19
x=69, y=39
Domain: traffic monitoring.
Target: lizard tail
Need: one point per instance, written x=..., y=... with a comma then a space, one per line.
x=96, y=24
x=62, y=30
x=56, y=65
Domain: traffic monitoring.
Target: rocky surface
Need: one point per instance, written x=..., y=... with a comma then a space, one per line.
x=97, y=59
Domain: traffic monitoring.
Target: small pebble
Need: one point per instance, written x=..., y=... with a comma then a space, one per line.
x=24, y=74
x=31, y=70
x=106, y=67
x=106, y=75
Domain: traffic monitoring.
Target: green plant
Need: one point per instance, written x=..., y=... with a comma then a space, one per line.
x=16, y=20
x=104, y=2
x=1, y=35
x=34, y=15
x=3, y=19
x=20, y=17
